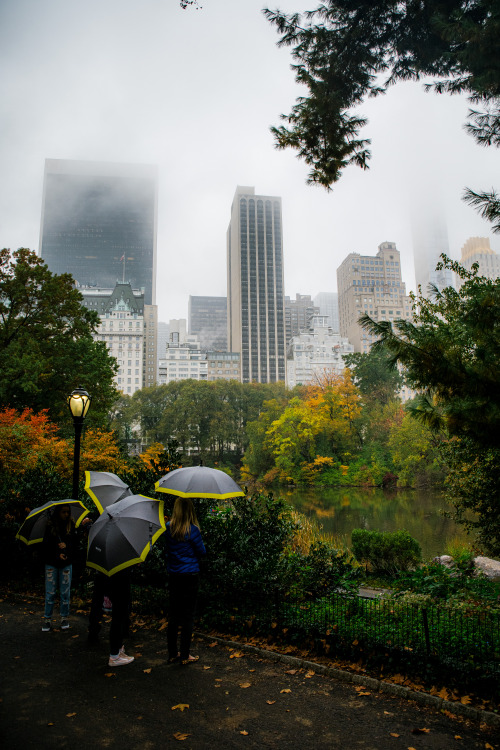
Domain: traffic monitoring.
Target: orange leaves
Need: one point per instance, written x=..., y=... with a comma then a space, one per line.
x=285, y=690
x=236, y=655
x=243, y=731
x=181, y=736
x=147, y=671
x=245, y=684
x=180, y=707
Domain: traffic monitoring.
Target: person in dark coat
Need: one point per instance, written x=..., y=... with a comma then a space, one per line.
x=185, y=547
x=58, y=551
x=117, y=588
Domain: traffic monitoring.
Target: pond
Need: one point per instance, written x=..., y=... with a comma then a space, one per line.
x=340, y=510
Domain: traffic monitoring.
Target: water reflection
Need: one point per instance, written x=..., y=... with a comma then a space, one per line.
x=339, y=511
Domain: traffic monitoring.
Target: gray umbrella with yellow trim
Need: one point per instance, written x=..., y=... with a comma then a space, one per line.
x=33, y=527
x=124, y=533
x=105, y=488
x=199, y=481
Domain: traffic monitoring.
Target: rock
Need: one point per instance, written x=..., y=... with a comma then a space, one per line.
x=445, y=560
x=490, y=568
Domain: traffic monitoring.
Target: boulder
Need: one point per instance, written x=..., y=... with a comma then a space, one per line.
x=490, y=568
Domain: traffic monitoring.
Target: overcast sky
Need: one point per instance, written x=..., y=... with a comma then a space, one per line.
x=195, y=92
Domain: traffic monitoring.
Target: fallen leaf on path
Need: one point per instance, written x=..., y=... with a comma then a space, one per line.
x=364, y=693
x=236, y=655
x=162, y=627
x=291, y=671
x=212, y=645
x=457, y=737
x=393, y=734
x=310, y=674
x=180, y=706
x=70, y=715
x=50, y=724
x=205, y=667
x=110, y=674
x=488, y=746
x=243, y=732
x=245, y=684
x=75, y=636
x=270, y=702
x=424, y=730
x=285, y=690
x=147, y=671
x=181, y=736
x=251, y=670
x=465, y=699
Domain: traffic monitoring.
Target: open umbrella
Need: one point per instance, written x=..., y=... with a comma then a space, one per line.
x=199, y=481
x=105, y=488
x=33, y=528
x=124, y=533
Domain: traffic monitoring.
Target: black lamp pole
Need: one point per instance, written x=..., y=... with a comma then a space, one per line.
x=79, y=404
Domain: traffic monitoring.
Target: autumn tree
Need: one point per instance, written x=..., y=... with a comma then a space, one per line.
x=46, y=341
x=348, y=50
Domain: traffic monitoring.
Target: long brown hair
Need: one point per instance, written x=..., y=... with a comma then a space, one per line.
x=58, y=525
x=183, y=516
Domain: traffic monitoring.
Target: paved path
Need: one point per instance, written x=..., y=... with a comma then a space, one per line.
x=57, y=693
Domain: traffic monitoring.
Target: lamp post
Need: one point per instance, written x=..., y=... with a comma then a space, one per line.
x=79, y=403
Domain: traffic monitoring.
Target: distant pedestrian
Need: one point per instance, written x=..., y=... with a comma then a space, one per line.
x=117, y=588
x=184, y=549
x=58, y=551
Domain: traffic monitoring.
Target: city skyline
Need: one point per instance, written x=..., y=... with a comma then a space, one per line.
x=155, y=91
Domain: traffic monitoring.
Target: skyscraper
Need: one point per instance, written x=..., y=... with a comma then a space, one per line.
x=370, y=285
x=99, y=223
x=430, y=240
x=328, y=303
x=255, y=298
x=298, y=314
x=208, y=320
x=478, y=250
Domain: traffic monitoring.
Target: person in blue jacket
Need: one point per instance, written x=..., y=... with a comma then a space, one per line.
x=184, y=549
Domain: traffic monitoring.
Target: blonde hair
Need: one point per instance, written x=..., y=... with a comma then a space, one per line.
x=183, y=517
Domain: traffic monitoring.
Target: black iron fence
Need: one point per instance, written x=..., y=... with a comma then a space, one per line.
x=467, y=638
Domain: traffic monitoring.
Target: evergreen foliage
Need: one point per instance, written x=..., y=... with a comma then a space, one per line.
x=348, y=50
x=385, y=551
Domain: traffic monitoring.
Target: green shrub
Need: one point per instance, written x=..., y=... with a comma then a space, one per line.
x=386, y=552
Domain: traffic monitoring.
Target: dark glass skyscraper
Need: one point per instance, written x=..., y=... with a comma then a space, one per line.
x=256, y=321
x=208, y=320
x=99, y=223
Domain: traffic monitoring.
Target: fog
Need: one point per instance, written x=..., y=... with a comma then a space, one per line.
x=195, y=92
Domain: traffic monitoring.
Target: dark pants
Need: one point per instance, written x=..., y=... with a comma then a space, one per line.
x=117, y=587
x=183, y=591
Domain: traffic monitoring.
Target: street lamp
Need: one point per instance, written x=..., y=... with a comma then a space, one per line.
x=79, y=403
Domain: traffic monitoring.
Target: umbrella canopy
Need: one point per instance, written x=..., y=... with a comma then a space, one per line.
x=33, y=528
x=124, y=533
x=199, y=481
x=105, y=488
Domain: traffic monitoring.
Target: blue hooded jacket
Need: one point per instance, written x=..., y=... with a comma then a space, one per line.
x=183, y=556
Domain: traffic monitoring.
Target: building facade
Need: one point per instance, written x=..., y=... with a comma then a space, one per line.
x=328, y=304
x=122, y=328
x=223, y=365
x=207, y=317
x=298, y=314
x=478, y=250
x=99, y=223
x=255, y=299
x=372, y=285
x=315, y=352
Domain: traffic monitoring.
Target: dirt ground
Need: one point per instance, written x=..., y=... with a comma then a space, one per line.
x=57, y=692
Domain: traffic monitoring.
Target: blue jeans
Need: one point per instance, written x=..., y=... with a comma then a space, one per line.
x=57, y=578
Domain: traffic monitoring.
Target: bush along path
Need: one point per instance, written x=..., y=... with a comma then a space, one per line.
x=58, y=692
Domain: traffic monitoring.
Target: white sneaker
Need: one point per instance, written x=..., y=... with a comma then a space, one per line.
x=119, y=660
x=46, y=626
x=64, y=624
